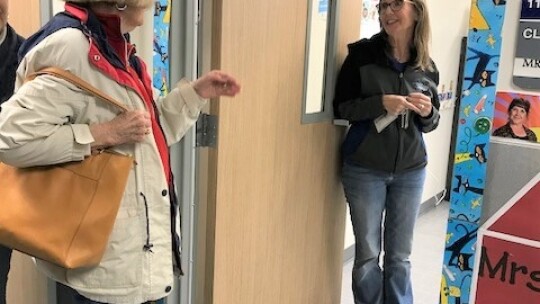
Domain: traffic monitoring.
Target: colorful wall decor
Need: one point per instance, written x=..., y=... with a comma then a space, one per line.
x=370, y=24
x=162, y=21
x=446, y=93
x=472, y=147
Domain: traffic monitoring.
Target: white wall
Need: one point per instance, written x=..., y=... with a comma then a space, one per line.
x=142, y=37
x=57, y=6
x=449, y=23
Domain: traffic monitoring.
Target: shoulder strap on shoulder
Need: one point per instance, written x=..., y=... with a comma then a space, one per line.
x=72, y=78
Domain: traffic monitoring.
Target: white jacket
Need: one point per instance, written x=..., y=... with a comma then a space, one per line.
x=47, y=122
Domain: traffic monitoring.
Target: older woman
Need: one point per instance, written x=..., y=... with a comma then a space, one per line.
x=50, y=121
x=518, y=112
x=387, y=90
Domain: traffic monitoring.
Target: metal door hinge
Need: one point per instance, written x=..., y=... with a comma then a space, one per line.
x=206, y=131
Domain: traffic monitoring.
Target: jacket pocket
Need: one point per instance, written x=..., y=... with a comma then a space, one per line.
x=120, y=266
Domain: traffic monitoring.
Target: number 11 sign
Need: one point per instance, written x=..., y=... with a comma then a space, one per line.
x=527, y=60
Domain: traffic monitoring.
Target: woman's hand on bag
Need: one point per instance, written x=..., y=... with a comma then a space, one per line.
x=128, y=127
x=215, y=84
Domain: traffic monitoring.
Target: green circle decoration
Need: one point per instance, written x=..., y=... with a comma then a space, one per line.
x=482, y=125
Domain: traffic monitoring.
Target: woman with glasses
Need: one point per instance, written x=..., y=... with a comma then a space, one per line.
x=387, y=90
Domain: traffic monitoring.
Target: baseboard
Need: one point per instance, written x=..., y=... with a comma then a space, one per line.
x=348, y=253
x=431, y=202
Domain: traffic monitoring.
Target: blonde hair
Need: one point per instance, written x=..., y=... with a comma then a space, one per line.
x=422, y=36
x=129, y=3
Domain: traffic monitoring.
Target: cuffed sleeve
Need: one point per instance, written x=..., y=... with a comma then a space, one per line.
x=179, y=111
x=430, y=122
x=192, y=100
x=82, y=134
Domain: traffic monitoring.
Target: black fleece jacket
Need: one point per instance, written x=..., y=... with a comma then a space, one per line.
x=367, y=74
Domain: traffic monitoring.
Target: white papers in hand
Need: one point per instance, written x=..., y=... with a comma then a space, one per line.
x=383, y=121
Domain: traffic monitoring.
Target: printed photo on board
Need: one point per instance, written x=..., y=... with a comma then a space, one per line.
x=517, y=116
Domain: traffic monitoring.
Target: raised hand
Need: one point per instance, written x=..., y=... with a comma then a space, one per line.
x=215, y=84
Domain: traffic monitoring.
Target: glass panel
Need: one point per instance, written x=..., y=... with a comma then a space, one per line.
x=316, y=56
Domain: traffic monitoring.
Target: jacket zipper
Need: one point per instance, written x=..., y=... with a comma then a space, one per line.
x=398, y=147
x=147, y=246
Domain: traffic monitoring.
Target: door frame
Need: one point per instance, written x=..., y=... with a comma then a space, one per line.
x=184, y=57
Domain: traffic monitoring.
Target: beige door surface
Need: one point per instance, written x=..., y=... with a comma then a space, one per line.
x=272, y=218
x=24, y=16
x=25, y=284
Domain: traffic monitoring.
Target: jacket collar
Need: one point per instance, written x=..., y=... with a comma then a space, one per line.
x=106, y=31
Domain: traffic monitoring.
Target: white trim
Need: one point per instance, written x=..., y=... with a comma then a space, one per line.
x=515, y=142
x=477, y=258
x=530, y=20
x=511, y=238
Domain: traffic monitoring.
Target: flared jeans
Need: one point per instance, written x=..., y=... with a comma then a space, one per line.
x=384, y=207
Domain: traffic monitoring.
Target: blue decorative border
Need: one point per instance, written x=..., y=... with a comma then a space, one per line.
x=161, y=70
x=472, y=147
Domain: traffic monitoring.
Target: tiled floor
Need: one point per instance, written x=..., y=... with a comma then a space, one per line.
x=426, y=258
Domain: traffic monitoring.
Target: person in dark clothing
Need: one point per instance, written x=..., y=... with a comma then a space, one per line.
x=387, y=90
x=518, y=112
x=9, y=45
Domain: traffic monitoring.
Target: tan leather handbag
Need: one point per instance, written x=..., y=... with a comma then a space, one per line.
x=64, y=213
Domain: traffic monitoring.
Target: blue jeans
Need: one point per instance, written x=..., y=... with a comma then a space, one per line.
x=371, y=194
x=5, y=259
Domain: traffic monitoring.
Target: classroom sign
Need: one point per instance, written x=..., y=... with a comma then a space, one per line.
x=527, y=58
x=508, y=268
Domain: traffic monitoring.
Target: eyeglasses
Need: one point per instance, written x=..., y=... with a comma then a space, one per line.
x=395, y=5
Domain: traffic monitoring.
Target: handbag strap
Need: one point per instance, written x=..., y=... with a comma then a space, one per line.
x=80, y=83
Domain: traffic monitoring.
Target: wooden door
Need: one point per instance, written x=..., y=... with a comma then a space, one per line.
x=273, y=211
x=25, y=284
x=24, y=16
